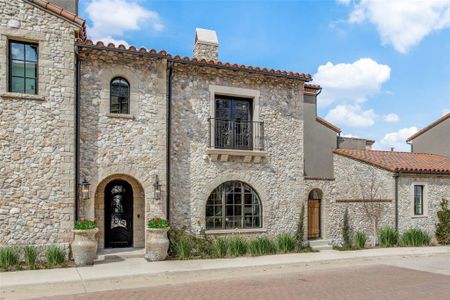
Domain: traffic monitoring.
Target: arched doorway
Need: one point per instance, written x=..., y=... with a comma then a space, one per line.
x=118, y=214
x=314, y=201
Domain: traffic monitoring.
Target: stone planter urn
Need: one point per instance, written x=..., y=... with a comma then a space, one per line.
x=156, y=243
x=84, y=246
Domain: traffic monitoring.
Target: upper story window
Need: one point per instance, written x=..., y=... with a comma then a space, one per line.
x=418, y=200
x=120, y=96
x=233, y=123
x=23, y=70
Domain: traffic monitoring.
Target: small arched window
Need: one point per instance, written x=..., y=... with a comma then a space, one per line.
x=120, y=96
x=233, y=204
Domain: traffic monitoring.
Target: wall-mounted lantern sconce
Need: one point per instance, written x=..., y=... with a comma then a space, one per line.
x=157, y=188
x=84, y=189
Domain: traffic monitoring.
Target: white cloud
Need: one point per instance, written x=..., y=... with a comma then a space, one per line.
x=445, y=111
x=397, y=139
x=391, y=118
x=351, y=116
x=349, y=135
x=108, y=39
x=402, y=23
x=111, y=19
x=350, y=81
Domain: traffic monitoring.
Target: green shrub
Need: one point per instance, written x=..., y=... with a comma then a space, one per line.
x=267, y=246
x=387, y=237
x=254, y=248
x=443, y=225
x=237, y=246
x=346, y=231
x=220, y=247
x=158, y=223
x=359, y=240
x=415, y=237
x=286, y=243
x=8, y=258
x=85, y=225
x=30, y=254
x=184, y=248
x=55, y=256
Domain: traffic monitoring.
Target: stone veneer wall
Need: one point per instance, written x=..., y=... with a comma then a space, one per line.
x=350, y=174
x=278, y=179
x=37, y=187
x=123, y=146
x=436, y=188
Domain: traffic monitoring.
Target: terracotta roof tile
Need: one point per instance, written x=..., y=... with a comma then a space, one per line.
x=312, y=88
x=423, y=130
x=405, y=162
x=328, y=124
x=186, y=59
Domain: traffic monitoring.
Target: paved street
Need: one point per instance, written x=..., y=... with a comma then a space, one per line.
x=388, y=278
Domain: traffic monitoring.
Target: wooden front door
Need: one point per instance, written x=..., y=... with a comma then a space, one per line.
x=118, y=214
x=313, y=218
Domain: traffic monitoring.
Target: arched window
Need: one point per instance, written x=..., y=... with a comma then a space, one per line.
x=120, y=96
x=233, y=204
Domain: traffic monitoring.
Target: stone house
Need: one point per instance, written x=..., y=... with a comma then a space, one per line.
x=121, y=135
x=433, y=138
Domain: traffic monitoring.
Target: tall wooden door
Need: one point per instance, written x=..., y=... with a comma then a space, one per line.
x=118, y=214
x=313, y=218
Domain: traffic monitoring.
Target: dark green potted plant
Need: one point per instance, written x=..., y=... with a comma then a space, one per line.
x=84, y=244
x=156, y=240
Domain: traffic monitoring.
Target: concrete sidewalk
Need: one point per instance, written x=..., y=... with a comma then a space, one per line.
x=125, y=270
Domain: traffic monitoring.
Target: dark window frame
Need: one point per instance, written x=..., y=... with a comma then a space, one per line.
x=120, y=103
x=219, y=204
x=10, y=62
x=418, y=212
x=230, y=132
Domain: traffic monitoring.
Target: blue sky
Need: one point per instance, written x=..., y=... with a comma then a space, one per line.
x=384, y=65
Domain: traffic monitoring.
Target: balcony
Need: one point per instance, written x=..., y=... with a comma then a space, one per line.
x=228, y=138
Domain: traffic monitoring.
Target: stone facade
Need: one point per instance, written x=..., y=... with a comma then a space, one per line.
x=37, y=187
x=352, y=181
x=278, y=179
x=350, y=174
x=38, y=134
x=115, y=146
x=435, y=188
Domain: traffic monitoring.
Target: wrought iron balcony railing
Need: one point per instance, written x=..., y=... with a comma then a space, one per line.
x=237, y=135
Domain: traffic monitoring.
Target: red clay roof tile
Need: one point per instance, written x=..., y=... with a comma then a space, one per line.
x=163, y=53
x=405, y=162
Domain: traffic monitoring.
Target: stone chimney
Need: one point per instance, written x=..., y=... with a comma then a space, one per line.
x=68, y=5
x=206, y=45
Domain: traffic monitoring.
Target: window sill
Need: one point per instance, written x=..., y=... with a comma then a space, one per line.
x=235, y=231
x=419, y=217
x=22, y=96
x=217, y=154
x=120, y=116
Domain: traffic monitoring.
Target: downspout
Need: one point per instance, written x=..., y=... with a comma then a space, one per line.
x=396, y=176
x=168, y=140
x=77, y=133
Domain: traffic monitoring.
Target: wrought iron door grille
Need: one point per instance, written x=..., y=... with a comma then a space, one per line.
x=239, y=135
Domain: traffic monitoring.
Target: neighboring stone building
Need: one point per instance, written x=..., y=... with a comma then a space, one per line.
x=410, y=184
x=214, y=147
x=433, y=139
